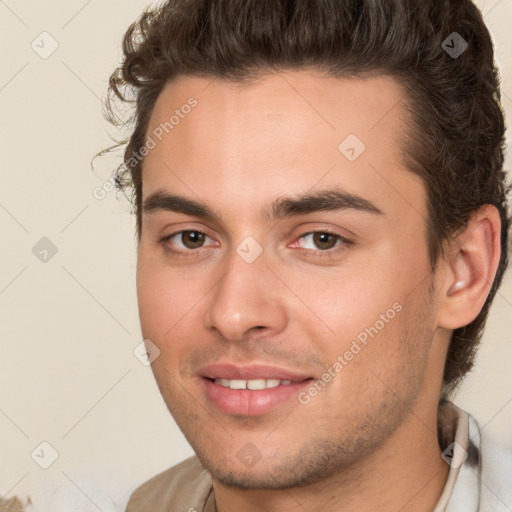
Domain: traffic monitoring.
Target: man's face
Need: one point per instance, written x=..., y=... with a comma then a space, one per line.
x=336, y=300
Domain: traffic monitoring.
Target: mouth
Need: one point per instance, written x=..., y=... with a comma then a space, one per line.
x=250, y=390
x=253, y=384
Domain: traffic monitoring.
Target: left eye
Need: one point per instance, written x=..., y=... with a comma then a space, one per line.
x=322, y=240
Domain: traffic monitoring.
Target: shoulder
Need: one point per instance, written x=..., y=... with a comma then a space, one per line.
x=185, y=486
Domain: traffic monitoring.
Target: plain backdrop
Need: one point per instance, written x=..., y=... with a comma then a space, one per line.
x=68, y=311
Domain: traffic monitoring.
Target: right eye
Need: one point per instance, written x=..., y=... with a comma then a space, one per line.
x=184, y=241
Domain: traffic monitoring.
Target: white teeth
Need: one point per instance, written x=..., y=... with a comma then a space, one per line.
x=238, y=384
x=254, y=384
x=273, y=383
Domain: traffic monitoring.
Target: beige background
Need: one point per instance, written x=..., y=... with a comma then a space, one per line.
x=68, y=326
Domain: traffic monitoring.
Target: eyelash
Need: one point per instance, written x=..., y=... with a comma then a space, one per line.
x=315, y=253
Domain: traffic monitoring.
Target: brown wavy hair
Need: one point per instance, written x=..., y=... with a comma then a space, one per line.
x=454, y=102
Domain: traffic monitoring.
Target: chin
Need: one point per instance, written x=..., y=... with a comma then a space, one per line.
x=269, y=474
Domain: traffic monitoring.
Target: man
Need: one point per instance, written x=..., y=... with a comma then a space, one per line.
x=322, y=228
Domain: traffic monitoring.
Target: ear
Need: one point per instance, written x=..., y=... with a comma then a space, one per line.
x=468, y=269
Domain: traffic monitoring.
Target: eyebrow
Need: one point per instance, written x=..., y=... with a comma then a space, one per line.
x=330, y=200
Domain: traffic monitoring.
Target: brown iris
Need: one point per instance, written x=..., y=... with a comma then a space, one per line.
x=321, y=240
x=192, y=239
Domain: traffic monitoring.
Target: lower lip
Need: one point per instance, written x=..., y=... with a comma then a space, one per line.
x=246, y=402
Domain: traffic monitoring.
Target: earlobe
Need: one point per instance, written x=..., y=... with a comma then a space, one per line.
x=470, y=267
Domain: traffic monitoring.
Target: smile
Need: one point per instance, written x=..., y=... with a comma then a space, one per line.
x=254, y=384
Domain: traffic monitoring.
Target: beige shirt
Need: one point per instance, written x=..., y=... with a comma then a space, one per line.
x=187, y=487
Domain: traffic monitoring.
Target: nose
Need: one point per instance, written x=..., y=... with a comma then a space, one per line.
x=247, y=301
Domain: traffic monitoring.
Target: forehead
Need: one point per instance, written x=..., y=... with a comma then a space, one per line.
x=300, y=102
x=282, y=132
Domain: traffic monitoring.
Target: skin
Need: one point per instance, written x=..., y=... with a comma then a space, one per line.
x=368, y=440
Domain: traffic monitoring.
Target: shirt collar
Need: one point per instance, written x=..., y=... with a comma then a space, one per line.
x=461, y=492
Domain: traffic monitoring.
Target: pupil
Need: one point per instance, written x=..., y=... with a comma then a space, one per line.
x=322, y=239
x=194, y=238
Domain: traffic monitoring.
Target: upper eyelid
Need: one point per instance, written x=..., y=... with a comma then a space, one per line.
x=323, y=231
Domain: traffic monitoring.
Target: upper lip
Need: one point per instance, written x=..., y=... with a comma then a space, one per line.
x=249, y=372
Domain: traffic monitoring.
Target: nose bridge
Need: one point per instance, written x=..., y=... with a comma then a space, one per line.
x=245, y=297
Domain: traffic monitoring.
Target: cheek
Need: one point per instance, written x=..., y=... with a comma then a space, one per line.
x=369, y=316
x=382, y=364
x=349, y=300
x=165, y=296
